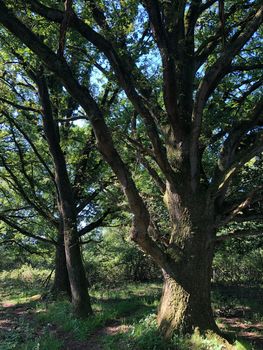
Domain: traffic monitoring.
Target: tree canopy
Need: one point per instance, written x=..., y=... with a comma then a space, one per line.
x=173, y=93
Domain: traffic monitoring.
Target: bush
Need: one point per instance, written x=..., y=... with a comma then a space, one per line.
x=239, y=262
x=117, y=260
x=26, y=274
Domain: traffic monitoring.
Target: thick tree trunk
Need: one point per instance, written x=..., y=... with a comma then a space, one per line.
x=76, y=272
x=61, y=283
x=185, y=304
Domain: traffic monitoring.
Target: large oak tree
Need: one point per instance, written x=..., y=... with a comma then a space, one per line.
x=189, y=71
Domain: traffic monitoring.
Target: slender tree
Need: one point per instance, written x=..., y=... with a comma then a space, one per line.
x=31, y=201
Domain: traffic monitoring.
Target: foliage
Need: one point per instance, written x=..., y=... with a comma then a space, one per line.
x=170, y=93
x=18, y=284
x=239, y=262
x=116, y=260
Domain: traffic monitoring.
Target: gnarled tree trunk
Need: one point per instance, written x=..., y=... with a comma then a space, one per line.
x=185, y=303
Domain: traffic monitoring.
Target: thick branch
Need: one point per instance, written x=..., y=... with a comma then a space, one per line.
x=123, y=66
x=94, y=224
x=167, y=22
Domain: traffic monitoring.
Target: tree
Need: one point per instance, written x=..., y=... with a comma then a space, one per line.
x=31, y=203
x=177, y=119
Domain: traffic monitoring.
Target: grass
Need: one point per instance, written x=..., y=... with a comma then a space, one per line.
x=46, y=342
x=47, y=325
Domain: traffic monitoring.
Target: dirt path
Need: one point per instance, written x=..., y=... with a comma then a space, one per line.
x=11, y=314
x=14, y=317
x=239, y=321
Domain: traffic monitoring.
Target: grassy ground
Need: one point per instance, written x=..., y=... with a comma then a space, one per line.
x=124, y=318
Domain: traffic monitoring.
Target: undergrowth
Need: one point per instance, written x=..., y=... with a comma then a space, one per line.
x=44, y=325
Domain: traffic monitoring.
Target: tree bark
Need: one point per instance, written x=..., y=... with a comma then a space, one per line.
x=78, y=282
x=67, y=207
x=61, y=283
x=186, y=305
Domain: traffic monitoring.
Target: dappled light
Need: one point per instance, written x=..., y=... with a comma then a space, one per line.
x=131, y=162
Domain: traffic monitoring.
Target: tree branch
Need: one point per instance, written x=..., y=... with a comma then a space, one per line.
x=122, y=67
x=237, y=208
x=8, y=241
x=24, y=231
x=59, y=66
x=239, y=233
x=32, y=146
x=18, y=106
x=211, y=79
x=19, y=187
x=94, y=224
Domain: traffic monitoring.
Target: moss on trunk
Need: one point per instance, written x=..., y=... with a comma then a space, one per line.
x=186, y=306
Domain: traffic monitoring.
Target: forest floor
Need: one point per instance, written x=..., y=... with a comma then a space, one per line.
x=124, y=318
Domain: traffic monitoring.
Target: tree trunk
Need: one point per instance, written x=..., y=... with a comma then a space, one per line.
x=76, y=272
x=61, y=283
x=185, y=304
x=67, y=207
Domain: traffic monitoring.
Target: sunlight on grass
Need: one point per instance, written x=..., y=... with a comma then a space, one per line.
x=45, y=324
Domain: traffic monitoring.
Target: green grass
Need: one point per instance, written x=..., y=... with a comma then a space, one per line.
x=17, y=285
x=47, y=323
x=46, y=342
